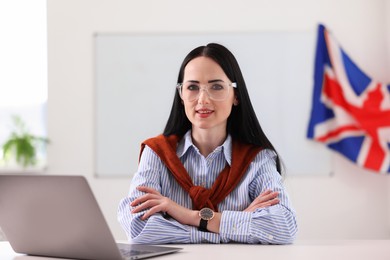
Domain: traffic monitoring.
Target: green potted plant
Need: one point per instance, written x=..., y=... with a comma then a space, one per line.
x=21, y=146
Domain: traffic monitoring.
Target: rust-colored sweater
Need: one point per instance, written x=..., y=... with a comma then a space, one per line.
x=227, y=180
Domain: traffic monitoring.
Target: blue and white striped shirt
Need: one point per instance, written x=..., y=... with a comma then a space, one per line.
x=270, y=225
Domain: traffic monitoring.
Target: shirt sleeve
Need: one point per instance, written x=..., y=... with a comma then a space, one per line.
x=158, y=229
x=270, y=225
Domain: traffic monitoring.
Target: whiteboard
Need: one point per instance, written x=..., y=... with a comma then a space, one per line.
x=135, y=79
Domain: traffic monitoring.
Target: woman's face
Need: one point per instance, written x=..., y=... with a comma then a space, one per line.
x=205, y=113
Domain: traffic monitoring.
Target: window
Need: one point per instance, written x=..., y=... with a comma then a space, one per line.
x=23, y=68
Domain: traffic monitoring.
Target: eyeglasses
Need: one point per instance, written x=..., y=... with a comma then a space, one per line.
x=217, y=91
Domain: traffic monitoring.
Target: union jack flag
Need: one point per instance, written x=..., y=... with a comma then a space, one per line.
x=350, y=111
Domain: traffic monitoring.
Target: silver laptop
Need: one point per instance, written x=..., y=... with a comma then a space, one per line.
x=58, y=216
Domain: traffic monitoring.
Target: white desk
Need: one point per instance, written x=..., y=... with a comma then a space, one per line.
x=300, y=250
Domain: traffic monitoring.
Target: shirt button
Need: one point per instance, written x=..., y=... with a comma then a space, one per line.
x=270, y=237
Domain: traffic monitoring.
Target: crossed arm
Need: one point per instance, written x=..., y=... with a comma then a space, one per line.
x=153, y=202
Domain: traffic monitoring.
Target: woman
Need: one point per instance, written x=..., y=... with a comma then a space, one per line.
x=213, y=176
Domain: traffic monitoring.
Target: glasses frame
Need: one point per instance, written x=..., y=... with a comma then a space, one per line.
x=180, y=85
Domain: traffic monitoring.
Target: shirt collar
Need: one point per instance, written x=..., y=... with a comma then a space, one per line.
x=186, y=143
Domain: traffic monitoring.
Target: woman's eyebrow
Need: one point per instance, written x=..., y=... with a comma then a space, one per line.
x=210, y=81
x=215, y=80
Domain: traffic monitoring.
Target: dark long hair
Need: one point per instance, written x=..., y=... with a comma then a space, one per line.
x=242, y=124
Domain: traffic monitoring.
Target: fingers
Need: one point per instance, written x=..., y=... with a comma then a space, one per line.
x=266, y=199
x=150, y=194
x=144, y=205
x=266, y=196
x=266, y=192
x=151, y=201
x=270, y=202
x=148, y=190
x=151, y=205
x=143, y=198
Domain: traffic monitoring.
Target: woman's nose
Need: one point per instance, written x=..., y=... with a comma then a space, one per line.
x=203, y=96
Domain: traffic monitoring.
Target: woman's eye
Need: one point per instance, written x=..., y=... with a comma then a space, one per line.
x=217, y=87
x=193, y=87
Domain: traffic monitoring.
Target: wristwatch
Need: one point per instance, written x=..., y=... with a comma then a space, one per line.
x=205, y=215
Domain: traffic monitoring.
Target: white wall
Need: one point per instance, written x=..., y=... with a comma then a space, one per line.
x=352, y=203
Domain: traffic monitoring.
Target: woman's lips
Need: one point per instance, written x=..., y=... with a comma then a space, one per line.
x=203, y=113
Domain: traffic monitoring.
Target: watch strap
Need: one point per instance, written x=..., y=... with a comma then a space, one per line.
x=203, y=225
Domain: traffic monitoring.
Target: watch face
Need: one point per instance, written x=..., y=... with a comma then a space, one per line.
x=206, y=214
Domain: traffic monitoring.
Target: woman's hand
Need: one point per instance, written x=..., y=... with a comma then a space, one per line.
x=154, y=202
x=265, y=199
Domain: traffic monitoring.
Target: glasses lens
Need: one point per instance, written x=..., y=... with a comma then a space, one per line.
x=217, y=91
x=190, y=91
